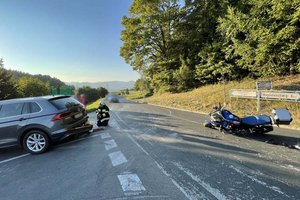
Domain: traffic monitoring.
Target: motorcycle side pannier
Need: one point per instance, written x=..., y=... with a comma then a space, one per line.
x=282, y=116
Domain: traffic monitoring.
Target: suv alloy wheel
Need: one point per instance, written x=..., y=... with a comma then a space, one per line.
x=36, y=142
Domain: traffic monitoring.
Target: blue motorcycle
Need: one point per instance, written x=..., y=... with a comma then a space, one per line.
x=225, y=121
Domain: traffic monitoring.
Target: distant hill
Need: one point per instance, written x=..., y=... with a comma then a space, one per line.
x=53, y=82
x=109, y=85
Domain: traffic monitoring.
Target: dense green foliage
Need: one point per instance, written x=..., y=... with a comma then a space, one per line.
x=124, y=92
x=15, y=84
x=53, y=82
x=92, y=94
x=179, y=45
x=143, y=85
x=8, y=88
x=32, y=87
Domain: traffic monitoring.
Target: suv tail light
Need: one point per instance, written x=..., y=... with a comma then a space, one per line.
x=60, y=116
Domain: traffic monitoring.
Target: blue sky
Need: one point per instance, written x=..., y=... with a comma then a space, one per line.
x=73, y=40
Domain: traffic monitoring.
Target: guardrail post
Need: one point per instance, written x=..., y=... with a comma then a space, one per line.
x=258, y=100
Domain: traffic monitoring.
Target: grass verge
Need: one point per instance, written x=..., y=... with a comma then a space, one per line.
x=133, y=95
x=93, y=106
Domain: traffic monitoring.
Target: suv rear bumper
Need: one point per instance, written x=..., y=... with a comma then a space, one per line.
x=64, y=133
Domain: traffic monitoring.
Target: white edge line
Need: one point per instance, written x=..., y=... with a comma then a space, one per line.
x=174, y=182
x=14, y=158
x=254, y=179
x=183, y=191
x=213, y=191
x=132, y=139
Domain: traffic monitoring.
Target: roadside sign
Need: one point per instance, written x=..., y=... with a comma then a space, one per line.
x=281, y=95
x=264, y=85
x=239, y=93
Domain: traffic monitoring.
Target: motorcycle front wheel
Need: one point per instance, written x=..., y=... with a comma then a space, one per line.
x=207, y=124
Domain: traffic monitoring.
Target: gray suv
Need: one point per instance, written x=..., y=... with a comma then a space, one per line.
x=36, y=123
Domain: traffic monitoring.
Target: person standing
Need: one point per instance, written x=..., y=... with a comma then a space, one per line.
x=83, y=99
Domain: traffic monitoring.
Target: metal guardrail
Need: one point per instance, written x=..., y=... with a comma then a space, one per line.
x=264, y=92
x=279, y=95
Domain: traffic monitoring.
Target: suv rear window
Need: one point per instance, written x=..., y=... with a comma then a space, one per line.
x=63, y=103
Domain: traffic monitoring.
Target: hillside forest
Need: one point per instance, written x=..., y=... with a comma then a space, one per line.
x=179, y=45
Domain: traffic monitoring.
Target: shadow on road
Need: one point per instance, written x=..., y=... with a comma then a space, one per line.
x=281, y=140
x=172, y=139
x=148, y=120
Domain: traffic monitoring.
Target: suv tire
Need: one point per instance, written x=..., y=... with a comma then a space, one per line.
x=36, y=142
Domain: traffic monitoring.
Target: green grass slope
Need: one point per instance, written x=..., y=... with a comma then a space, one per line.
x=204, y=98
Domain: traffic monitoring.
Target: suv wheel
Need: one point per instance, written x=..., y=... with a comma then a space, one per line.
x=36, y=142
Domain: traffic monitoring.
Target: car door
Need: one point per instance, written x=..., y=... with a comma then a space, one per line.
x=13, y=116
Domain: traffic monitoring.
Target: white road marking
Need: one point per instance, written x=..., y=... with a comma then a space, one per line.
x=105, y=135
x=291, y=167
x=275, y=189
x=191, y=195
x=142, y=197
x=117, y=158
x=187, y=193
x=131, y=183
x=137, y=144
x=133, y=140
x=110, y=144
x=14, y=158
x=213, y=191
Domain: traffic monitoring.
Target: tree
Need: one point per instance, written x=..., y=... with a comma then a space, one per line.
x=184, y=76
x=8, y=88
x=92, y=94
x=215, y=39
x=265, y=38
x=102, y=92
x=143, y=85
x=149, y=38
x=31, y=87
x=53, y=82
x=159, y=34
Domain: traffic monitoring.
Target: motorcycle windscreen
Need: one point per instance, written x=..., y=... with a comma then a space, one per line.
x=282, y=116
x=257, y=120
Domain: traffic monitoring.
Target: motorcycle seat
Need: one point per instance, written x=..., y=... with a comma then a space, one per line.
x=256, y=120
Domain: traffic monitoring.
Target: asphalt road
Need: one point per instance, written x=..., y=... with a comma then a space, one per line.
x=149, y=152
